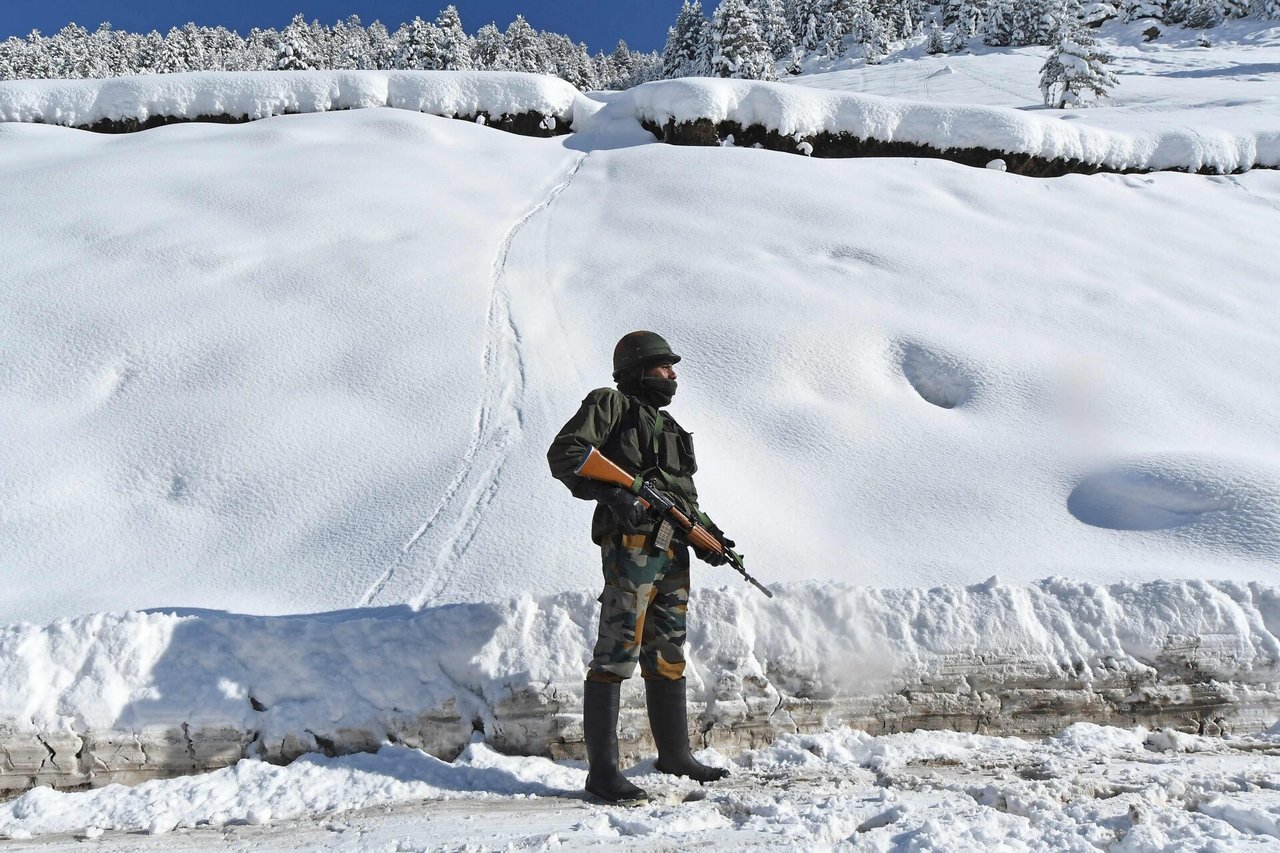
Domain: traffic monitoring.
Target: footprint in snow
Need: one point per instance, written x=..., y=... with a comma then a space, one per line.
x=938, y=378
x=1211, y=503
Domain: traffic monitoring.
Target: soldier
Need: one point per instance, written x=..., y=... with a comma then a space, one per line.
x=646, y=570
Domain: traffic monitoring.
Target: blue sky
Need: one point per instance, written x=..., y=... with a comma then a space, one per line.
x=600, y=23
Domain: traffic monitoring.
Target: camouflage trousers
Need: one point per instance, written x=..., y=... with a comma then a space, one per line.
x=642, y=611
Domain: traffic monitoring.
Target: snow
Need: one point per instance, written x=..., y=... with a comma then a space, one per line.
x=1091, y=787
x=291, y=413
x=366, y=674
x=258, y=94
x=310, y=366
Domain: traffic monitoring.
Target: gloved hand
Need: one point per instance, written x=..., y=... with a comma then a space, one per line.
x=712, y=558
x=626, y=508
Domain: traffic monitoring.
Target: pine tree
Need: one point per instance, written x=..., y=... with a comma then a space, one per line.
x=349, y=46
x=774, y=28
x=1075, y=64
x=1132, y=10
x=935, y=44
x=382, y=47
x=294, y=51
x=739, y=50
x=454, y=46
x=971, y=18
x=999, y=28
x=569, y=61
x=525, y=47
x=417, y=46
x=490, y=51
x=1203, y=14
x=687, y=52
x=623, y=64
x=808, y=25
x=867, y=31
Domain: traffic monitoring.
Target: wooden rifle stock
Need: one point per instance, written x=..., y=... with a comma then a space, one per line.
x=596, y=466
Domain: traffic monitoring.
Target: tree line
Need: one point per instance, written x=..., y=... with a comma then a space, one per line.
x=756, y=39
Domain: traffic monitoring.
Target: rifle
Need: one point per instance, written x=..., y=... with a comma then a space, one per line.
x=596, y=466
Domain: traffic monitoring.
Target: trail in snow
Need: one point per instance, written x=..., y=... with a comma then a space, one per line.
x=499, y=422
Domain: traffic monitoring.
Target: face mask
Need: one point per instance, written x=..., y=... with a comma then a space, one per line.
x=658, y=391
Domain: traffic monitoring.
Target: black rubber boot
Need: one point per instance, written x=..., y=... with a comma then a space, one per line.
x=669, y=721
x=600, y=731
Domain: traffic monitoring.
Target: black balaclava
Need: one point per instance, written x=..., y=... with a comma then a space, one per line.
x=654, y=390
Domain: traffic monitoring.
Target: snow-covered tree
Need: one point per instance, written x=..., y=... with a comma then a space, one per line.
x=527, y=53
x=774, y=28
x=294, y=50
x=867, y=31
x=417, y=46
x=644, y=67
x=622, y=64
x=1203, y=14
x=809, y=24
x=971, y=18
x=454, y=48
x=570, y=61
x=999, y=27
x=489, y=50
x=1132, y=10
x=688, y=49
x=1075, y=65
x=935, y=43
x=739, y=50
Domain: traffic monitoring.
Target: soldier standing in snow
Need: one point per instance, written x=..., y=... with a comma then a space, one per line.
x=646, y=580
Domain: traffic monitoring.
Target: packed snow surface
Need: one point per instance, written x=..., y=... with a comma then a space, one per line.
x=1087, y=789
x=314, y=362
x=256, y=94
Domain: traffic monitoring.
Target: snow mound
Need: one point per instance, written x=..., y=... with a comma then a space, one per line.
x=257, y=95
x=798, y=111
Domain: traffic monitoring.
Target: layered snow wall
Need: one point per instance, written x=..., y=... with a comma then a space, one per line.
x=125, y=697
x=785, y=117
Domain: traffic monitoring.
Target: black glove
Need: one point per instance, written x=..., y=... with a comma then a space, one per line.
x=712, y=558
x=626, y=508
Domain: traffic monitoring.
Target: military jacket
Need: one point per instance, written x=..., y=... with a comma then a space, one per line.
x=622, y=428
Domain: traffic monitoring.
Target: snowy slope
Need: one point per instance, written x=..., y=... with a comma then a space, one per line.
x=1170, y=85
x=314, y=362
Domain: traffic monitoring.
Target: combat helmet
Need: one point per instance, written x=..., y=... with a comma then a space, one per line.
x=641, y=349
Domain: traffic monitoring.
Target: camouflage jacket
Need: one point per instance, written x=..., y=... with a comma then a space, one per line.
x=622, y=428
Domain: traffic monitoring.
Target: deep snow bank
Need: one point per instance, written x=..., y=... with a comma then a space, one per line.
x=825, y=122
x=144, y=694
x=127, y=103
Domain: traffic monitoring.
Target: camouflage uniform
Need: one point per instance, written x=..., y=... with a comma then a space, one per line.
x=646, y=593
x=642, y=610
